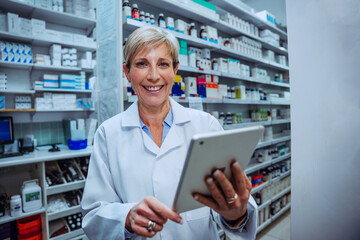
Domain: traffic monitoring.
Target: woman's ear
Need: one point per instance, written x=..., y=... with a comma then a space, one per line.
x=126, y=71
x=176, y=69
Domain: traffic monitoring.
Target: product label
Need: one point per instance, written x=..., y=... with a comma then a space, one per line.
x=32, y=196
x=135, y=15
x=162, y=24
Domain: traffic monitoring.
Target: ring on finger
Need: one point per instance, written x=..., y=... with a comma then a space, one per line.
x=151, y=226
x=231, y=200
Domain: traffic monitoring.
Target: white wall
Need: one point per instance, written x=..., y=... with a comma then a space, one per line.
x=324, y=47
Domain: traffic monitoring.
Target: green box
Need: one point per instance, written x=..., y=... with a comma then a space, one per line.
x=205, y=4
x=182, y=43
x=183, y=51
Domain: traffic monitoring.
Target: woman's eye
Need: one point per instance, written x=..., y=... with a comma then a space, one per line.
x=140, y=64
x=164, y=64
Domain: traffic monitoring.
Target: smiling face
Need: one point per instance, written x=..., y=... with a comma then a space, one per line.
x=152, y=74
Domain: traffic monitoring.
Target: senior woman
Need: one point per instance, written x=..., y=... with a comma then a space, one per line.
x=139, y=154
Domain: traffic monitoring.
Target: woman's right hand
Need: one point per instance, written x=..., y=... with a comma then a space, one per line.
x=149, y=209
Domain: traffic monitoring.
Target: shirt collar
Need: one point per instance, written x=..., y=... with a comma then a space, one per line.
x=168, y=120
x=131, y=115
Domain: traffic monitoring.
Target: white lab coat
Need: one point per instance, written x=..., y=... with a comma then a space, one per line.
x=126, y=166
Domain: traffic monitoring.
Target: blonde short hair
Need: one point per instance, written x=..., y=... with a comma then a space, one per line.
x=147, y=38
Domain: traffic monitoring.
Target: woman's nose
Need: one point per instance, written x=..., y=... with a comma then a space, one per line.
x=153, y=74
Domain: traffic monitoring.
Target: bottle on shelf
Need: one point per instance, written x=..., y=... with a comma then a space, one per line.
x=152, y=19
x=192, y=30
x=147, y=18
x=203, y=33
x=142, y=16
x=15, y=206
x=135, y=14
x=161, y=21
x=126, y=10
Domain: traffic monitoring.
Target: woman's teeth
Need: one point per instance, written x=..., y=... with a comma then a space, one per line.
x=153, y=88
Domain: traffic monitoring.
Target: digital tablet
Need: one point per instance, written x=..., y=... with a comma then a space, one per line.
x=210, y=151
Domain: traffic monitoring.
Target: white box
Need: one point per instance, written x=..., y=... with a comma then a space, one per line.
x=4, y=56
x=180, y=26
x=38, y=27
x=169, y=23
x=66, y=37
x=79, y=39
x=3, y=22
x=13, y=22
x=25, y=27
x=223, y=64
x=52, y=35
x=190, y=86
x=183, y=60
x=206, y=53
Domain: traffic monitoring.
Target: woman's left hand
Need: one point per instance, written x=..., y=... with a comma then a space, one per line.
x=231, y=197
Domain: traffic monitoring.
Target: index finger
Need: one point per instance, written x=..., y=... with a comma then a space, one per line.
x=164, y=211
x=237, y=175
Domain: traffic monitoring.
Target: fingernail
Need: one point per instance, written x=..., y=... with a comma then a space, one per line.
x=179, y=220
x=196, y=197
x=236, y=163
x=217, y=173
x=209, y=180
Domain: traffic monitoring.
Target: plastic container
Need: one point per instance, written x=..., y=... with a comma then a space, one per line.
x=77, y=144
x=15, y=206
x=31, y=195
x=29, y=227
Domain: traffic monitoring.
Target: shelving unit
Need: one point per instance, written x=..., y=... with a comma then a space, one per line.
x=21, y=77
x=8, y=218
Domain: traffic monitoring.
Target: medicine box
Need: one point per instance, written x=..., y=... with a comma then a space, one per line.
x=180, y=26
x=170, y=23
x=13, y=22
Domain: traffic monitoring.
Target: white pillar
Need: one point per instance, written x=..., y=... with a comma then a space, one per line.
x=324, y=47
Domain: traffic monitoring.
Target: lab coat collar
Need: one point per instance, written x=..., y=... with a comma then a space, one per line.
x=131, y=118
x=131, y=115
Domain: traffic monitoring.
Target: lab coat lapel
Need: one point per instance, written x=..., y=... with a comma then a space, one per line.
x=175, y=138
x=131, y=118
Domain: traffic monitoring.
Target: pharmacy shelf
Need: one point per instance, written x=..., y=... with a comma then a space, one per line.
x=277, y=66
x=70, y=235
x=259, y=188
x=132, y=24
x=280, y=84
x=244, y=78
x=280, y=121
x=64, y=110
x=267, y=203
x=236, y=54
x=280, y=102
x=48, y=15
x=28, y=66
x=42, y=41
x=65, y=187
x=196, y=70
x=44, y=156
x=284, y=209
x=17, y=91
x=281, y=158
x=264, y=225
x=64, y=213
x=63, y=90
x=283, y=175
x=14, y=65
x=282, y=193
x=248, y=124
x=227, y=28
x=281, y=139
x=18, y=110
x=238, y=101
x=54, y=68
x=8, y=218
x=178, y=7
x=236, y=8
x=264, y=144
x=255, y=167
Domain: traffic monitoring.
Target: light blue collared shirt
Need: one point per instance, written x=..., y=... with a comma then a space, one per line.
x=166, y=126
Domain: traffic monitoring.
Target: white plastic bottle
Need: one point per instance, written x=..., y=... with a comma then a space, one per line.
x=15, y=206
x=31, y=195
